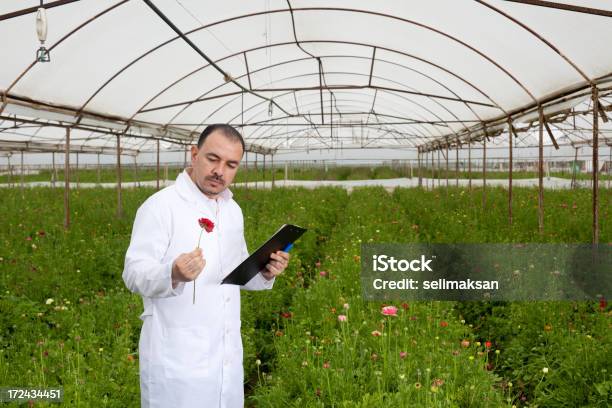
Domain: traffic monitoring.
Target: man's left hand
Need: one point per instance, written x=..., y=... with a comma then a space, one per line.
x=277, y=264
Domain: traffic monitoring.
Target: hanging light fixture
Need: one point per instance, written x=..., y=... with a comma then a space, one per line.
x=42, y=55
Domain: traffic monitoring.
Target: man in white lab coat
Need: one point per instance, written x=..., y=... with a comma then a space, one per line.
x=191, y=352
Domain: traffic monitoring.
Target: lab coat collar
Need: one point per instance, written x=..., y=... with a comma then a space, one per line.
x=191, y=193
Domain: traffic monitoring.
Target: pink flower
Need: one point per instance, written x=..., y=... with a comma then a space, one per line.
x=326, y=364
x=403, y=354
x=318, y=264
x=465, y=343
x=389, y=311
x=376, y=333
x=443, y=323
x=342, y=318
x=323, y=274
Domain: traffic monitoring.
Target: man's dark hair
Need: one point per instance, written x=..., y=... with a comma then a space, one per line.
x=228, y=131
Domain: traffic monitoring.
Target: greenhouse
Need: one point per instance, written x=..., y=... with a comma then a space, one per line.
x=474, y=135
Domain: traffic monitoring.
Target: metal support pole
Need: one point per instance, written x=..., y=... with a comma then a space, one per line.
x=136, y=170
x=272, y=170
x=22, y=170
x=419, y=167
x=256, y=171
x=484, y=170
x=119, y=203
x=10, y=169
x=595, y=165
x=541, y=172
x=53, y=171
x=457, y=166
x=432, y=170
x=98, y=168
x=574, y=170
x=246, y=170
x=67, y=180
x=447, y=169
x=76, y=170
x=439, y=168
x=470, y=165
x=510, y=136
x=157, y=167
x=286, y=173
x=609, y=164
x=264, y=169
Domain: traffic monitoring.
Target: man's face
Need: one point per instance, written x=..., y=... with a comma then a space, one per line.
x=215, y=163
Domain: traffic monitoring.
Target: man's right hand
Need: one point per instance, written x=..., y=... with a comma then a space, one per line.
x=187, y=267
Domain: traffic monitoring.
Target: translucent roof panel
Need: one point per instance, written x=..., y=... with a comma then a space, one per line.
x=337, y=73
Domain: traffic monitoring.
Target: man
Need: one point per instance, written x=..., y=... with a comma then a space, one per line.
x=191, y=352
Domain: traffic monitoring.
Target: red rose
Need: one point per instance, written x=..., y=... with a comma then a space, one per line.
x=207, y=224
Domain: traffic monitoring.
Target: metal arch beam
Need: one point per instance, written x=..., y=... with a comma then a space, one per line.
x=539, y=37
x=313, y=41
x=321, y=41
x=278, y=97
x=225, y=21
x=258, y=113
x=349, y=88
x=409, y=100
x=566, y=7
x=313, y=103
x=41, y=147
x=182, y=35
x=204, y=98
x=176, y=115
x=425, y=26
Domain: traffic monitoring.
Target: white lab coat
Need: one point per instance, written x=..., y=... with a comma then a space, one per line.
x=190, y=355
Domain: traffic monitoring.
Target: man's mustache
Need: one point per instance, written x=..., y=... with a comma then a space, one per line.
x=218, y=179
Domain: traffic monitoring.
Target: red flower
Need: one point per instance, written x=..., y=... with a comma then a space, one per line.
x=443, y=323
x=207, y=224
x=487, y=344
x=41, y=233
x=287, y=315
x=405, y=306
x=603, y=303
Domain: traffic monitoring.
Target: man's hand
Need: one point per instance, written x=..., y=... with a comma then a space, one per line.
x=187, y=267
x=277, y=264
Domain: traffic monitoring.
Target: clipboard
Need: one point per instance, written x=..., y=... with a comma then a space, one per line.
x=282, y=239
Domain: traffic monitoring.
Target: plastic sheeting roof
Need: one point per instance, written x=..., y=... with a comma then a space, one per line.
x=295, y=74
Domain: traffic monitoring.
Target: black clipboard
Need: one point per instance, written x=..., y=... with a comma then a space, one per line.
x=257, y=261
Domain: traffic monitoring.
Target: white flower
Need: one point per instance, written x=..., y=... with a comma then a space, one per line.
x=49, y=301
x=258, y=362
x=545, y=370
